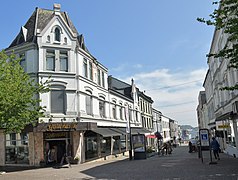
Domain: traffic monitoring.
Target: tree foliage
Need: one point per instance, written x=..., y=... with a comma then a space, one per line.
x=225, y=18
x=19, y=105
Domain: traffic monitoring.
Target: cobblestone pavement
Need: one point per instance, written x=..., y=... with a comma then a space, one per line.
x=180, y=165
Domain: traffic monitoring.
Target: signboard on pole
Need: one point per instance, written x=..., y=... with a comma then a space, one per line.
x=204, y=137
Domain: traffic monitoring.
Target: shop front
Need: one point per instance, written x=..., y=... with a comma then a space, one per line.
x=44, y=144
x=103, y=142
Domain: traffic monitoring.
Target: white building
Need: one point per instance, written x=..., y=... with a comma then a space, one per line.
x=221, y=105
x=84, y=117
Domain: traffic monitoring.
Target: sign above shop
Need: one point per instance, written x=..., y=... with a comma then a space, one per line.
x=65, y=126
x=61, y=126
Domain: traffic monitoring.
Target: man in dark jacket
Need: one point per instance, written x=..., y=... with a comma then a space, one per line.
x=215, y=147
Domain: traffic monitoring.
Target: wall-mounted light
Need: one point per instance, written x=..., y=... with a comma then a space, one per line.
x=64, y=119
x=50, y=119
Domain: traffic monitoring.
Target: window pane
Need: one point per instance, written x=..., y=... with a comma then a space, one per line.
x=50, y=60
x=23, y=61
x=102, y=108
x=88, y=104
x=114, y=111
x=17, y=152
x=99, y=77
x=90, y=71
x=63, y=61
x=57, y=34
x=85, y=68
x=103, y=81
x=58, y=101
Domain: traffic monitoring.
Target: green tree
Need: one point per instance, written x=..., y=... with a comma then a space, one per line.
x=224, y=18
x=19, y=105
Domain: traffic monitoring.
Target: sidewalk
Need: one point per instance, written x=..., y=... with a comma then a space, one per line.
x=179, y=165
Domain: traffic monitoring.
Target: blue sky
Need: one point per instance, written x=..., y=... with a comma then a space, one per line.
x=159, y=43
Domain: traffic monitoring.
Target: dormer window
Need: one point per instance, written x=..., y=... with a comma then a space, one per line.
x=57, y=34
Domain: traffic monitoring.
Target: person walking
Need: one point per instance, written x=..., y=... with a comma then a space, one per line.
x=215, y=147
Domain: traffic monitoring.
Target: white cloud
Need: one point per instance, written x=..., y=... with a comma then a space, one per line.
x=175, y=93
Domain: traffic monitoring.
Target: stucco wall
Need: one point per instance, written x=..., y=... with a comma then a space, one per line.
x=35, y=148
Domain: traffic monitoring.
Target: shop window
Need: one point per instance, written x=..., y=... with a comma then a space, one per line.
x=91, y=147
x=116, y=144
x=17, y=150
x=105, y=146
x=123, y=141
x=58, y=101
x=63, y=61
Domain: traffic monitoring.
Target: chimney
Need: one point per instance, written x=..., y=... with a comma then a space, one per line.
x=56, y=7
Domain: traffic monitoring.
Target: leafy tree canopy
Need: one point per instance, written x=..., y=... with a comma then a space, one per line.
x=19, y=105
x=225, y=18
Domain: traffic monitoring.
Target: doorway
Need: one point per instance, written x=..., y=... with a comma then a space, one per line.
x=55, y=150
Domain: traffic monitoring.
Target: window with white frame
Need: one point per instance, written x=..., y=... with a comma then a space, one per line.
x=89, y=103
x=103, y=79
x=102, y=106
x=130, y=113
x=114, y=110
x=64, y=61
x=23, y=61
x=50, y=60
x=136, y=112
x=99, y=77
x=17, y=148
x=121, y=111
x=90, y=70
x=58, y=99
x=85, y=68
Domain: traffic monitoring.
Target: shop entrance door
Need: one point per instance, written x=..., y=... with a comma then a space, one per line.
x=56, y=150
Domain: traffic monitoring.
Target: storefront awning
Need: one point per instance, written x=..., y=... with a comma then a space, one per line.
x=225, y=116
x=139, y=131
x=150, y=136
x=107, y=132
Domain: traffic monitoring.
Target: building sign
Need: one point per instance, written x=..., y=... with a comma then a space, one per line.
x=61, y=126
x=221, y=125
x=204, y=137
x=55, y=135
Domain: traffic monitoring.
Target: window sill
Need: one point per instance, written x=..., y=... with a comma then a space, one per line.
x=57, y=42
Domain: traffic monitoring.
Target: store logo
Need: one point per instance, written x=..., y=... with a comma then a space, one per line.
x=61, y=126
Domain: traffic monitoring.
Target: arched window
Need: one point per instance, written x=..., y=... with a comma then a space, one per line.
x=114, y=112
x=89, y=103
x=102, y=106
x=121, y=111
x=58, y=99
x=57, y=34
